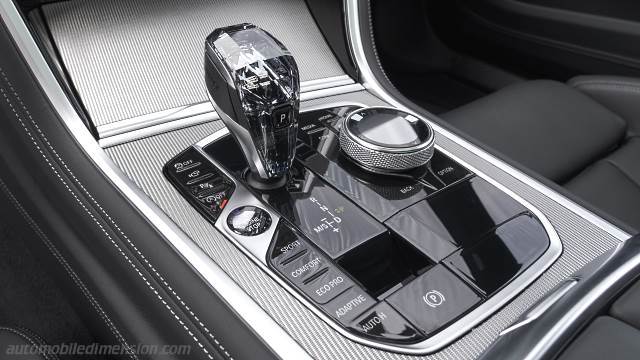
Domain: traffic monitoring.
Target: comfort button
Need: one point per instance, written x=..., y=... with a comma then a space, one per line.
x=384, y=323
x=349, y=305
x=302, y=266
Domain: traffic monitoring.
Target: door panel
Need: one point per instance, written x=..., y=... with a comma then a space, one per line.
x=545, y=38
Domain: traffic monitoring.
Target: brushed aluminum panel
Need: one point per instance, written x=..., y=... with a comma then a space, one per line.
x=131, y=58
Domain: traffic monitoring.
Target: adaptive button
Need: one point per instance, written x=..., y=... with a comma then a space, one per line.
x=447, y=170
x=386, y=324
x=434, y=299
x=249, y=221
x=328, y=284
x=349, y=305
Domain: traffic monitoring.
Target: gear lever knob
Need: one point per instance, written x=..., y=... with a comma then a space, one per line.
x=254, y=85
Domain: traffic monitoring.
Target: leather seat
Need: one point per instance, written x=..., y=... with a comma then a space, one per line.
x=584, y=135
x=16, y=343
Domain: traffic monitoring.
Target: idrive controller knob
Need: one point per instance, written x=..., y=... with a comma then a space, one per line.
x=383, y=139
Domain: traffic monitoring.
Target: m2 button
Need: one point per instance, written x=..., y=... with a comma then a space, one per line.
x=325, y=286
x=349, y=305
x=384, y=323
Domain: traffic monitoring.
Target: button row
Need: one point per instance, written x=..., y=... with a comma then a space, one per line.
x=307, y=269
x=198, y=180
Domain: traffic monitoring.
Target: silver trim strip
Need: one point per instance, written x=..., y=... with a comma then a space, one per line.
x=535, y=312
x=186, y=111
x=370, y=83
x=571, y=316
x=244, y=306
x=185, y=116
x=256, y=249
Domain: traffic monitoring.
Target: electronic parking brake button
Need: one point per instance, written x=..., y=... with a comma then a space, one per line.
x=384, y=323
x=434, y=299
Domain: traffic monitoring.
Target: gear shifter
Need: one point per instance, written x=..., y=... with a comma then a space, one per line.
x=254, y=86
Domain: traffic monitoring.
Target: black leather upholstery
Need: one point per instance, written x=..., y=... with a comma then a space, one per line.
x=613, y=183
x=586, y=142
x=614, y=337
x=605, y=338
x=545, y=125
x=619, y=94
x=16, y=343
x=126, y=276
x=627, y=307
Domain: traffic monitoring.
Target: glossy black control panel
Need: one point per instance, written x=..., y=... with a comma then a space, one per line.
x=200, y=182
x=393, y=259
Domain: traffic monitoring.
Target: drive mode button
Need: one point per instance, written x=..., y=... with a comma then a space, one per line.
x=302, y=266
x=328, y=284
x=349, y=305
x=287, y=244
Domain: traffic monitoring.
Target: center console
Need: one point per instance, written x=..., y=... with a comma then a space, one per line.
x=389, y=239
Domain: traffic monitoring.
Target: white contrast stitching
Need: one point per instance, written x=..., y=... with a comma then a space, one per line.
x=76, y=279
x=29, y=339
x=113, y=223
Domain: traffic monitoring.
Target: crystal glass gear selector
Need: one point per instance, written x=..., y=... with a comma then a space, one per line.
x=254, y=85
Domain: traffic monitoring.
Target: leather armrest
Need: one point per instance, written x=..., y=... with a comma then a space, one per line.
x=619, y=94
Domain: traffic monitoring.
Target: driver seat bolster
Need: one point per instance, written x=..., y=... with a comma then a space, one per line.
x=17, y=343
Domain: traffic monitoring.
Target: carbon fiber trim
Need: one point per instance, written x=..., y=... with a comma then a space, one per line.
x=142, y=160
x=130, y=58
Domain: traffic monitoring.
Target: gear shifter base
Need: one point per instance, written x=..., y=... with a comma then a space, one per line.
x=260, y=184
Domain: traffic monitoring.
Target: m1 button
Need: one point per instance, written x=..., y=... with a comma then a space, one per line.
x=384, y=323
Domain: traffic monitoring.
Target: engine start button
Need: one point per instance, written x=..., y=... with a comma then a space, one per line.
x=249, y=221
